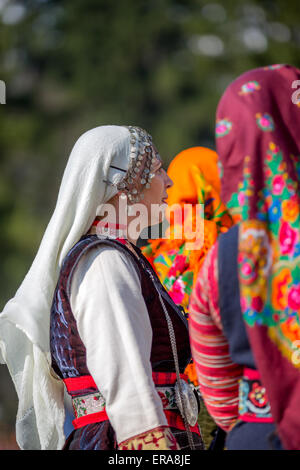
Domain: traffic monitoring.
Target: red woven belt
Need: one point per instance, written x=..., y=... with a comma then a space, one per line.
x=75, y=384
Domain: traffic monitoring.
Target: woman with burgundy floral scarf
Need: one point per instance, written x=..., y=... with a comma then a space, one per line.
x=245, y=307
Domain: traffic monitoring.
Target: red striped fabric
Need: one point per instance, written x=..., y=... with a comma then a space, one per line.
x=218, y=376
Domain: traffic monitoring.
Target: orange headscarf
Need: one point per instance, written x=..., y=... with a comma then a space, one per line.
x=185, y=188
x=196, y=181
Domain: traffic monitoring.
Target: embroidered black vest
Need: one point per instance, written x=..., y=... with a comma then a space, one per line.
x=68, y=352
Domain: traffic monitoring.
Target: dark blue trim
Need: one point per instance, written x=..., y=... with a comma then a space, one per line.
x=229, y=299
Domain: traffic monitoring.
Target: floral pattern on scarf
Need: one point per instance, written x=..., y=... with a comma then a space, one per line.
x=260, y=159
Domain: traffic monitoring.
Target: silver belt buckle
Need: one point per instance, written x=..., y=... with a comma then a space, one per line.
x=190, y=402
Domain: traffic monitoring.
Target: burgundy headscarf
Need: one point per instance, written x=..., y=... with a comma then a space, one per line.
x=258, y=143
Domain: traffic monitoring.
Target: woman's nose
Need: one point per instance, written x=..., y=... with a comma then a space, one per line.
x=168, y=182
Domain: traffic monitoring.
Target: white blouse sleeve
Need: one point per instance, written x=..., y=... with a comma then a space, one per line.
x=114, y=325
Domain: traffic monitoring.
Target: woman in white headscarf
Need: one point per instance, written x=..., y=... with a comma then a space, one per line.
x=92, y=315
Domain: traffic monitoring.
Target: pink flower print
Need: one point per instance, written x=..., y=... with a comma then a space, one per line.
x=223, y=127
x=257, y=304
x=278, y=184
x=294, y=298
x=179, y=265
x=241, y=198
x=252, y=86
x=177, y=291
x=265, y=122
x=243, y=304
x=287, y=238
x=248, y=273
x=246, y=269
x=249, y=87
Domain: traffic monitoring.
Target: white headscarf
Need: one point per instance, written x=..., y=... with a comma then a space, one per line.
x=25, y=320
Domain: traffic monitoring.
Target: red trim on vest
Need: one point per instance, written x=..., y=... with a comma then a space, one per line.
x=248, y=418
x=89, y=419
x=174, y=418
x=167, y=378
x=175, y=421
x=74, y=384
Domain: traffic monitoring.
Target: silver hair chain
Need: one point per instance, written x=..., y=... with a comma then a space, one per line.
x=141, y=153
x=142, y=158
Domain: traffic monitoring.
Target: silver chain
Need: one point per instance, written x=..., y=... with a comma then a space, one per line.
x=174, y=350
x=175, y=356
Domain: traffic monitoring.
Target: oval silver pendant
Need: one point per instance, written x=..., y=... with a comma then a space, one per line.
x=190, y=402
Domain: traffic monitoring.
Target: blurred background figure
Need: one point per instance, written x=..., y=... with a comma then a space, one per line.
x=69, y=66
x=245, y=306
x=196, y=182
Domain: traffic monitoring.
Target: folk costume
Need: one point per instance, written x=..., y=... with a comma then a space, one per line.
x=244, y=312
x=90, y=315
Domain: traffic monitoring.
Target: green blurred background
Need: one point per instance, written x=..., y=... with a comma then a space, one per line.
x=72, y=65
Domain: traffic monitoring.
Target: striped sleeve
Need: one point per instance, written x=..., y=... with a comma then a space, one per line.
x=218, y=376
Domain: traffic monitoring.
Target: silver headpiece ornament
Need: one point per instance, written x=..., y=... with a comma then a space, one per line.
x=142, y=159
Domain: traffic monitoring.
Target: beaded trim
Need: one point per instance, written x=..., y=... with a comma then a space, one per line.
x=141, y=151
